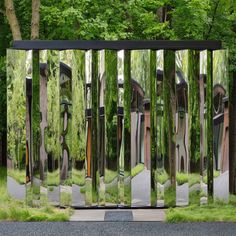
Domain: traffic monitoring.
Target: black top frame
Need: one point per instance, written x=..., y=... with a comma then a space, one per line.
x=117, y=45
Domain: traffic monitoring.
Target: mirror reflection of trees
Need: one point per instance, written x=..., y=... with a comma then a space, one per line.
x=52, y=131
x=107, y=128
x=16, y=126
x=169, y=126
x=140, y=128
x=78, y=145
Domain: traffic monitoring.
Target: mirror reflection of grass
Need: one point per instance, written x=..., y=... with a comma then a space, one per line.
x=78, y=177
x=137, y=169
x=18, y=175
x=16, y=210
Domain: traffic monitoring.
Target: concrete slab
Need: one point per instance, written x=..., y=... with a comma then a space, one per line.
x=88, y=215
x=149, y=214
x=137, y=215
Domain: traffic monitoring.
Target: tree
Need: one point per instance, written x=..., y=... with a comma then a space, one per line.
x=14, y=23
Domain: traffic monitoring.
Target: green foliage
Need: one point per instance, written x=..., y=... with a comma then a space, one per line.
x=189, y=19
x=52, y=139
x=16, y=110
x=3, y=102
x=193, y=109
x=78, y=151
x=218, y=211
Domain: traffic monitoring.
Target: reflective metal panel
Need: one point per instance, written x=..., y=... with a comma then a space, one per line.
x=209, y=100
x=220, y=125
x=161, y=175
x=101, y=127
x=182, y=148
x=35, y=128
x=111, y=120
x=93, y=170
x=195, y=121
x=88, y=114
x=203, y=127
x=150, y=133
x=17, y=152
x=169, y=120
x=43, y=125
x=126, y=137
x=52, y=131
x=29, y=95
x=66, y=108
x=78, y=148
x=140, y=128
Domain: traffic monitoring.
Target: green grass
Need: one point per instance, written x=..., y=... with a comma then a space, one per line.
x=137, y=169
x=170, y=196
x=181, y=178
x=17, y=175
x=161, y=176
x=110, y=175
x=78, y=177
x=193, y=178
x=218, y=211
x=16, y=210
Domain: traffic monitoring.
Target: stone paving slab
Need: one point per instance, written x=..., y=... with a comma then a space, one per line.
x=118, y=216
x=110, y=215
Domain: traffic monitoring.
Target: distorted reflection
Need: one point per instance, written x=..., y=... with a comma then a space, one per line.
x=52, y=131
x=182, y=192
x=117, y=128
x=221, y=125
x=78, y=149
x=203, y=191
x=140, y=128
x=17, y=153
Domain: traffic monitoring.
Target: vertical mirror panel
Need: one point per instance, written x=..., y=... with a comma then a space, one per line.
x=88, y=115
x=140, y=128
x=78, y=148
x=52, y=131
x=43, y=125
x=95, y=120
x=169, y=127
x=92, y=127
x=101, y=128
x=203, y=127
x=66, y=109
x=17, y=153
x=182, y=161
x=111, y=128
x=150, y=131
x=126, y=135
x=35, y=128
x=120, y=126
x=195, y=121
x=220, y=125
x=209, y=99
x=161, y=174
x=29, y=95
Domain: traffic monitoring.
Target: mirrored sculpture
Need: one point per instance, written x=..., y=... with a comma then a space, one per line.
x=104, y=127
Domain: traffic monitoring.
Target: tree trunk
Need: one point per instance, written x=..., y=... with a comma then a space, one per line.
x=35, y=19
x=13, y=22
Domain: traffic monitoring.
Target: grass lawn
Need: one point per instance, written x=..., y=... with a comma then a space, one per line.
x=15, y=210
x=218, y=211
